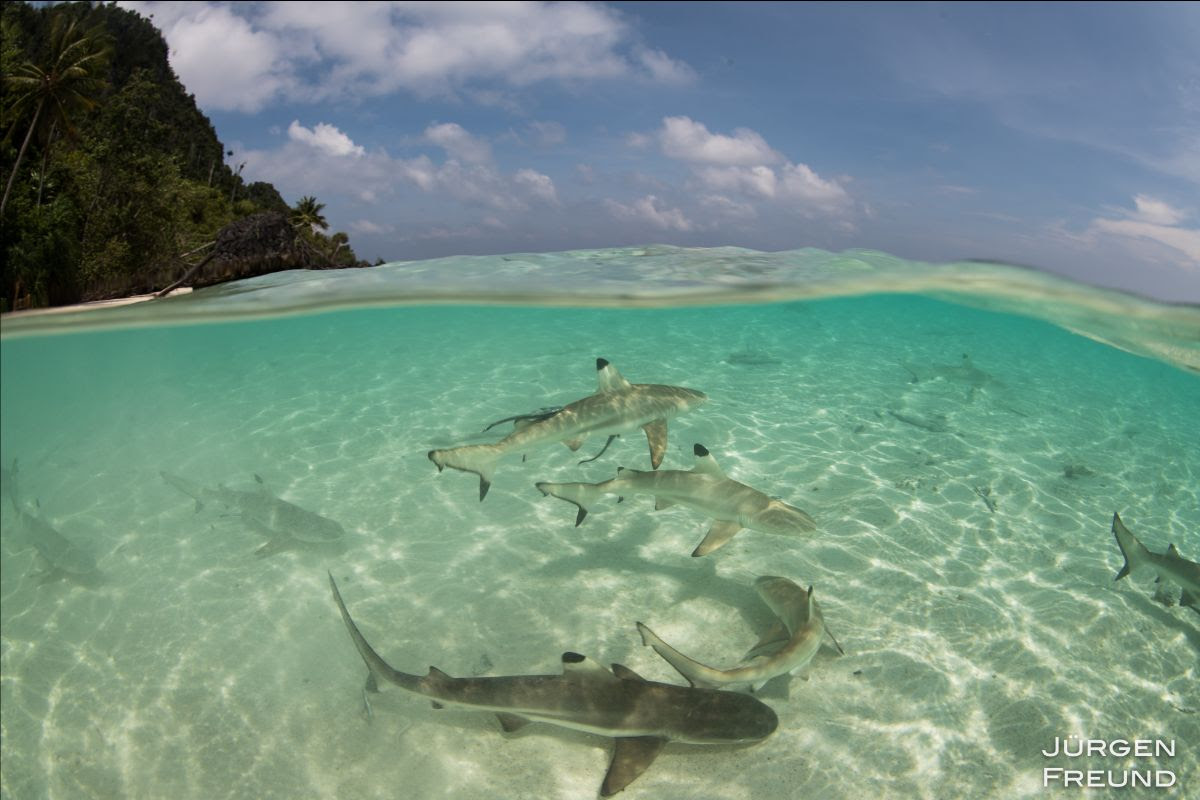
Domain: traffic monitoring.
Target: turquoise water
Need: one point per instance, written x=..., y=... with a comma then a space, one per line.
x=962, y=558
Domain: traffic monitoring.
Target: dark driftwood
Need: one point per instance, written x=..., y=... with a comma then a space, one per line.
x=253, y=245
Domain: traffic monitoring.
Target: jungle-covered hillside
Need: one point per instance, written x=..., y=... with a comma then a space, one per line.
x=115, y=183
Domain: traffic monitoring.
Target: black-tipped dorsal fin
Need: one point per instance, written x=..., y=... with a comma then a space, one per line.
x=626, y=674
x=705, y=463
x=608, y=379
x=576, y=664
x=631, y=756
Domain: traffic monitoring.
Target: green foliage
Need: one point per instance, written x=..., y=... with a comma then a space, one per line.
x=115, y=177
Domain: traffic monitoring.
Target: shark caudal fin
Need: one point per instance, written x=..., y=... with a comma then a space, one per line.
x=376, y=666
x=581, y=495
x=689, y=668
x=1133, y=550
x=478, y=458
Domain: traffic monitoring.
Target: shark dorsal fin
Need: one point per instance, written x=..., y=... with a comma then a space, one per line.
x=608, y=379
x=705, y=463
x=626, y=674
x=1172, y=552
x=437, y=674
x=511, y=722
x=631, y=756
x=576, y=664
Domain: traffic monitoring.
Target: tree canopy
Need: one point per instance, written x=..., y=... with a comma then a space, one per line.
x=114, y=179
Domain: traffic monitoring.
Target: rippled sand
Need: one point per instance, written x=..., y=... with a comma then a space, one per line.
x=963, y=557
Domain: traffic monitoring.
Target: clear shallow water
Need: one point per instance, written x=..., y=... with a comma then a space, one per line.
x=963, y=556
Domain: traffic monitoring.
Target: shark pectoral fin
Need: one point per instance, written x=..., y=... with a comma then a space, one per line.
x=656, y=435
x=484, y=485
x=661, y=502
x=276, y=545
x=511, y=722
x=631, y=756
x=626, y=674
x=575, y=443
x=720, y=533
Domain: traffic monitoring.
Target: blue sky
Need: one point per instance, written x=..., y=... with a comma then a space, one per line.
x=1061, y=136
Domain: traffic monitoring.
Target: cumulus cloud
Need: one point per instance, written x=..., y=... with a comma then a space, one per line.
x=324, y=137
x=1153, y=229
x=687, y=140
x=648, y=209
x=744, y=164
x=457, y=143
x=537, y=185
x=324, y=162
x=243, y=56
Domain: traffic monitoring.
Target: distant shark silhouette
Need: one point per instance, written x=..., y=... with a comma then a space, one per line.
x=639, y=715
x=705, y=488
x=617, y=407
x=63, y=557
x=1170, y=566
x=786, y=647
x=285, y=525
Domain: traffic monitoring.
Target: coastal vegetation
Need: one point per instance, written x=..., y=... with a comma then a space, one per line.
x=115, y=183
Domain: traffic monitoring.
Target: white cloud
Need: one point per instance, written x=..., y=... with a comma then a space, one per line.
x=664, y=69
x=647, y=210
x=536, y=184
x=366, y=226
x=457, y=143
x=221, y=57
x=243, y=56
x=760, y=180
x=687, y=140
x=547, y=134
x=726, y=207
x=1156, y=212
x=325, y=137
x=1152, y=230
x=745, y=164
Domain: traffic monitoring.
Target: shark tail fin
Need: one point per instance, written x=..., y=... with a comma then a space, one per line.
x=689, y=668
x=1131, y=548
x=478, y=458
x=376, y=666
x=581, y=495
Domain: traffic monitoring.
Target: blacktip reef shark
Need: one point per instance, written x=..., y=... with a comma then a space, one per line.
x=1170, y=566
x=64, y=558
x=286, y=525
x=639, y=715
x=617, y=407
x=786, y=647
x=704, y=487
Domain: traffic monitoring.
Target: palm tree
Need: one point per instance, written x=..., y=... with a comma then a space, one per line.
x=65, y=84
x=307, y=213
